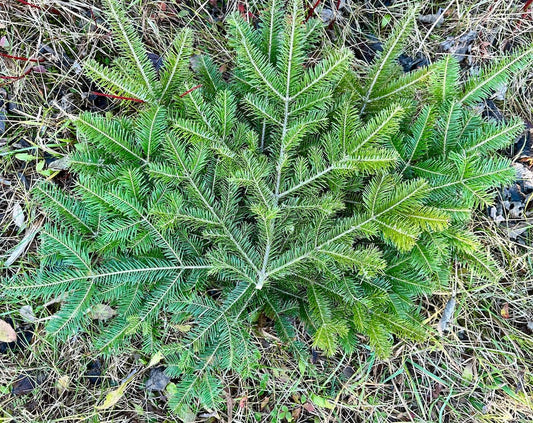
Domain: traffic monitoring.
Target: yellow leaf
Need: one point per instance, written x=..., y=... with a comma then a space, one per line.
x=114, y=396
x=157, y=357
x=7, y=334
x=63, y=383
x=183, y=328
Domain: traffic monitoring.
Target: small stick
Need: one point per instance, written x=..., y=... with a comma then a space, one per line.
x=191, y=90
x=527, y=4
x=9, y=56
x=119, y=97
x=524, y=15
x=15, y=78
x=51, y=10
x=311, y=11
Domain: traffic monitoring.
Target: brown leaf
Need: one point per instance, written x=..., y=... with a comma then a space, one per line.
x=437, y=388
x=309, y=407
x=39, y=69
x=7, y=333
x=296, y=413
x=264, y=403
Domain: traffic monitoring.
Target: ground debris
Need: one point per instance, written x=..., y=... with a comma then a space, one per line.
x=102, y=312
x=447, y=315
x=24, y=336
x=7, y=333
x=94, y=372
x=157, y=380
x=459, y=47
x=26, y=383
x=436, y=19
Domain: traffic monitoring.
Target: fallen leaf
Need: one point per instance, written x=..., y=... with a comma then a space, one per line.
x=61, y=298
x=171, y=389
x=18, y=216
x=23, y=245
x=183, y=328
x=296, y=413
x=94, y=372
x=7, y=333
x=436, y=391
x=156, y=358
x=24, y=337
x=26, y=383
x=39, y=69
x=322, y=402
x=264, y=403
x=185, y=414
x=209, y=416
x=461, y=46
x=505, y=311
x=112, y=398
x=23, y=385
x=158, y=380
x=327, y=16
x=101, y=312
x=26, y=312
x=60, y=164
x=309, y=407
x=63, y=383
x=115, y=395
x=499, y=92
x=468, y=372
x=436, y=19
x=242, y=402
x=447, y=315
x=524, y=174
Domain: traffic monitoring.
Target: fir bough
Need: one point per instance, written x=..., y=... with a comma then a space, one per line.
x=292, y=190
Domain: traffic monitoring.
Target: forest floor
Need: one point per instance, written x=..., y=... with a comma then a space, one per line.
x=479, y=370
